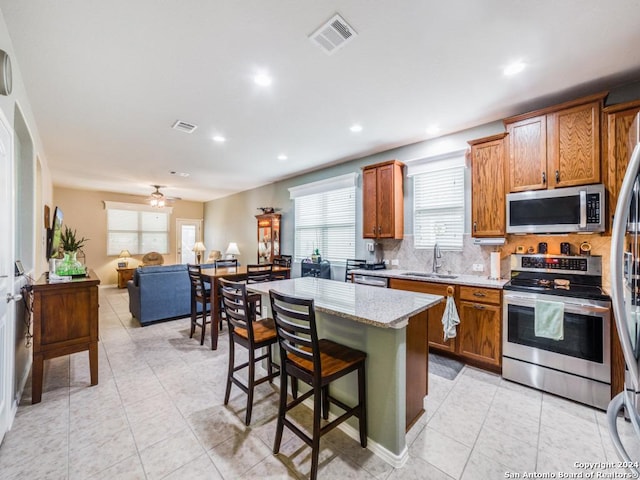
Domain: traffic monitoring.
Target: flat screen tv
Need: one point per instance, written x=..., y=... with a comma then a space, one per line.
x=55, y=233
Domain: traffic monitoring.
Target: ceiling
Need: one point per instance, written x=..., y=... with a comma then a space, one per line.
x=107, y=80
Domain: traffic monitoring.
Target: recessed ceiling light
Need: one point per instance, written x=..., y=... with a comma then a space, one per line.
x=282, y=157
x=356, y=128
x=263, y=79
x=219, y=139
x=514, y=68
x=433, y=129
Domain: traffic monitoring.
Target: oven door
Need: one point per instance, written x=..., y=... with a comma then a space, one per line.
x=585, y=349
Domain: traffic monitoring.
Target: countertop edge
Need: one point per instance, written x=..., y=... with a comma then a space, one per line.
x=464, y=280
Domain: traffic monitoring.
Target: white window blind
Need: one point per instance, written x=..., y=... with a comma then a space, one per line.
x=326, y=221
x=438, y=208
x=137, y=228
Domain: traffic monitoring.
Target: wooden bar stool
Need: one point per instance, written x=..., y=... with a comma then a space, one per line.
x=199, y=294
x=251, y=334
x=317, y=362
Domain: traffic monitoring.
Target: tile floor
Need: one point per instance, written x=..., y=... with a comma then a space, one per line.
x=158, y=413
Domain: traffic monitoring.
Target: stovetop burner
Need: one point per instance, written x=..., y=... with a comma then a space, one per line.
x=556, y=275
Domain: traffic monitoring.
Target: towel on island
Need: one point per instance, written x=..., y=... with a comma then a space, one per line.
x=549, y=320
x=450, y=319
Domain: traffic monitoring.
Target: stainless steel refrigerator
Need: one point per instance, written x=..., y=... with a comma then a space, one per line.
x=625, y=296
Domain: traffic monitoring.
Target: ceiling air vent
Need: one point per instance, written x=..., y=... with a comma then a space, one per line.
x=333, y=35
x=184, y=126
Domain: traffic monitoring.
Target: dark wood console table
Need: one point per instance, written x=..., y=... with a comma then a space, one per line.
x=65, y=321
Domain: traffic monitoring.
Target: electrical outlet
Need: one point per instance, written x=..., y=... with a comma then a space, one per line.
x=395, y=262
x=478, y=267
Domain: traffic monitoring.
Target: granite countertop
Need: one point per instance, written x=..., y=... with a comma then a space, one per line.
x=380, y=307
x=469, y=280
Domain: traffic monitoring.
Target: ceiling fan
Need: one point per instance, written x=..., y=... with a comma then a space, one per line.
x=158, y=199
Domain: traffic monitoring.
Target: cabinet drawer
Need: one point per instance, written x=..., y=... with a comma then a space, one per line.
x=479, y=294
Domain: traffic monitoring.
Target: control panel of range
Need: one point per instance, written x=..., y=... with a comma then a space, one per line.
x=587, y=265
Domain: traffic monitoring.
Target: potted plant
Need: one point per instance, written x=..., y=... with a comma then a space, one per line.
x=316, y=258
x=70, y=244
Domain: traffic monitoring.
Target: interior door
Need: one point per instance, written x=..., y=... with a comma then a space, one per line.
x=189, y=231
x=7, y=306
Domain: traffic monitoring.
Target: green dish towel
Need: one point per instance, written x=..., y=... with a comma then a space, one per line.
x=549, y=320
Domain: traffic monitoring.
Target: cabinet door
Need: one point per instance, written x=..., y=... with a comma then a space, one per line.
x=435, y=333
x=480, y=333
x=385, y=202
x=619, y=145
x=528, y=154
x=369, y=203
x=487, y=189
x=573, y=146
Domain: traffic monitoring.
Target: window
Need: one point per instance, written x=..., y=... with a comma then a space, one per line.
x=438, y=205
x=137, y=228
x=325, y=218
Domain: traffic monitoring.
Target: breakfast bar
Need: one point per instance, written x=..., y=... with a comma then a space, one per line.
x=391, y=327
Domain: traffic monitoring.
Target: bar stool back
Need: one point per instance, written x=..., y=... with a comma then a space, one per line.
x=253, y=335
x=317, y=362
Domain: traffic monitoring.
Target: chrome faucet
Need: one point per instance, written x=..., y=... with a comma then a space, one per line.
x=436, y=255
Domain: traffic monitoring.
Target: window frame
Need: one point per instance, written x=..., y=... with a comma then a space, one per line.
x=137, y=248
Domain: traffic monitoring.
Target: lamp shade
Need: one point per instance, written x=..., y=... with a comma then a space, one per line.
x=124, y=254
x=232, y=249
x=199, y=247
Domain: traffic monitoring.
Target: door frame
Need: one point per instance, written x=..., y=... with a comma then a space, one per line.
x=186, y=221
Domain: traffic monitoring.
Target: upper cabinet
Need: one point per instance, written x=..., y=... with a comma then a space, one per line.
x=619, y=139
x=382, y=200
x=488, y=186
x=555, y=147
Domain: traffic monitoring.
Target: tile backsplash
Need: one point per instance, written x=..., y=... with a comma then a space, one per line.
x=461, y=262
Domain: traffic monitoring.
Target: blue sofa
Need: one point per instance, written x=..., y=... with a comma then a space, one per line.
x=160, y=292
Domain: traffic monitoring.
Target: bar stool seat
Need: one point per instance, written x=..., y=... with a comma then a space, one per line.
x=316, y=362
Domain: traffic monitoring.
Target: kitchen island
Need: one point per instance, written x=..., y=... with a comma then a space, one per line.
x=391, y=327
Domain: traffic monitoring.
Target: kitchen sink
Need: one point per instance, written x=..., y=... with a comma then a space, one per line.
x=428, y=275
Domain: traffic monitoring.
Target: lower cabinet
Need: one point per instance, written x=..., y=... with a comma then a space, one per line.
x=479, y=338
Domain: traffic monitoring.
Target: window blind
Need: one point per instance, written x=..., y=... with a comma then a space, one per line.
x=137, y=229
x=326, y=221
x=438, y=208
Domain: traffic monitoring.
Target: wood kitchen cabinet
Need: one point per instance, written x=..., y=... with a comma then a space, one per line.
x=488, y=168
x=435, y=332
x=619, y=140
x=555, y=147
x=382, y=200
x=480, y=329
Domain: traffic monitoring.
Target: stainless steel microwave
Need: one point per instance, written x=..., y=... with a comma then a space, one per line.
x=560, y=210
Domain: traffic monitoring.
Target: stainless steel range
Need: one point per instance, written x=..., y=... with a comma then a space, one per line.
x=578, y=365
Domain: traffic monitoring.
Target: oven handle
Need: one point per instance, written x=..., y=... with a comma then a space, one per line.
x=569, y=306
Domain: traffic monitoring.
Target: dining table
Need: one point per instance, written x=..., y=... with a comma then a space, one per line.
x=213, y=276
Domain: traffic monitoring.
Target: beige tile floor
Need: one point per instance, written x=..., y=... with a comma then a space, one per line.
x=158, y=413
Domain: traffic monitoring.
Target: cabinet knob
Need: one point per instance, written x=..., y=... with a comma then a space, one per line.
x=374, y=230
x=478, y=294
x=379, y=230
x=478, y=307
x=544, y=177
x=557, y=176
x=475, y=226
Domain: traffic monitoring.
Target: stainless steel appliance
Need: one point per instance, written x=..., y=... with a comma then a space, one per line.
x=371, y=280
x=625, y=295
x=560, y=210
x=579, y=365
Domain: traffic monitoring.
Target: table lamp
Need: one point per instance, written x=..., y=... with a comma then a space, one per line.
x=125, y=255
x=199, y=248
x=232, y=250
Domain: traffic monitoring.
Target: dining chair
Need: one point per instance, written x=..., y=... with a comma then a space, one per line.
x=281, y=261
x=258, y=273
x=316, y=362
x=202, y=295
x=250, y=333
x=226, y=263
x=352, y=264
